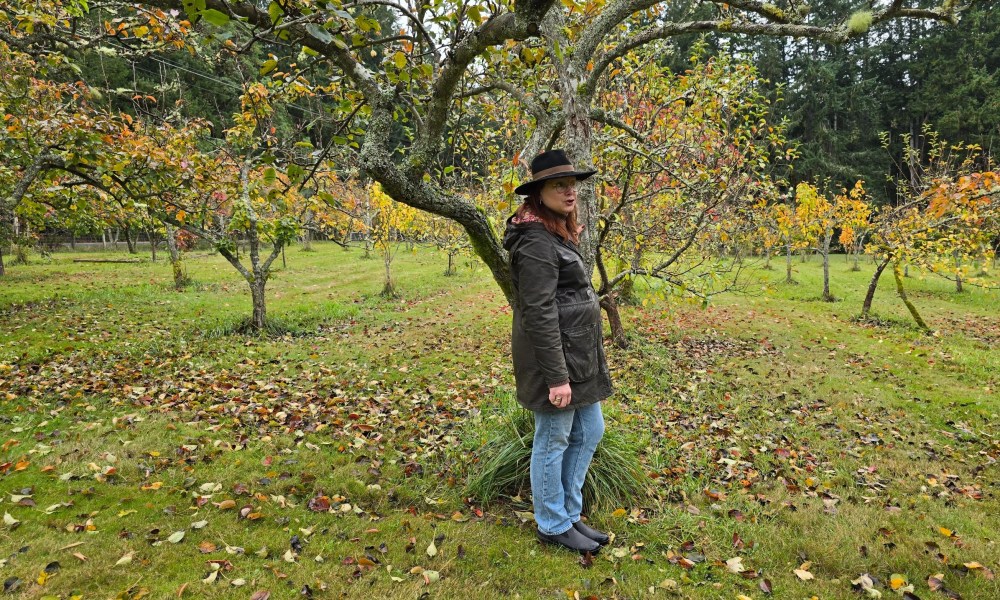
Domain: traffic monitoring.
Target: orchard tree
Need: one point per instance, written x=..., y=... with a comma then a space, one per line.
x=792, y=231
x=46, y=126
x=391, y=223
x=855, y=226
x=448, y=237
x=688, y=159
x=947, y=213
x=820, y=216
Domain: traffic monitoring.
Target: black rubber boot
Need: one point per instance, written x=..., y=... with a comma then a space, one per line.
x=598, y=536
x=572, y=539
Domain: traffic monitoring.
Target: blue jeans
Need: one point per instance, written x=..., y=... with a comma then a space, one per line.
x=564, y=443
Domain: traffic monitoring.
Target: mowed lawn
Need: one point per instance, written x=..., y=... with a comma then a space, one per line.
x=790, y=451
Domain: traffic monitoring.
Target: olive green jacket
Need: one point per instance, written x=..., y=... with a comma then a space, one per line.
x=557, y=320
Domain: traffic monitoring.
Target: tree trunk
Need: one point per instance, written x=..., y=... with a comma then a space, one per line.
x=284, y=263
x=388, y=290
x=3, y=270
x=176, y=262
x=451, y=265
x=72, y=241
x=870, y=296
x=958, y=272
x=827, y=296
x=259, y=319
x=610, y=307
x=767, y=259
x=104, y=238
x=902, y=296
x=788, y=264
x=857, y=257
x=129, y=241
x=307, y=241
x=151, y=236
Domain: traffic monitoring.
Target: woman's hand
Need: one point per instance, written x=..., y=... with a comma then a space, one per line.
x=560, y=396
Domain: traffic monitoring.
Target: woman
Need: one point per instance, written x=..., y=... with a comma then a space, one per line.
x=559, y=364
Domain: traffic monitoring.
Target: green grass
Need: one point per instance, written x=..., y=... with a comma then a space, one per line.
x=770, y=426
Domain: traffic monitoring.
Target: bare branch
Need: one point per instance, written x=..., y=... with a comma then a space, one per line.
x=409, y=15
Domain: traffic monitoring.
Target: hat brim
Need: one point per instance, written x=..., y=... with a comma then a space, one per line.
x=525, y=188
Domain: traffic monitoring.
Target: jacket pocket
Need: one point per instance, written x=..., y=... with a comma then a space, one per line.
x=581, y=349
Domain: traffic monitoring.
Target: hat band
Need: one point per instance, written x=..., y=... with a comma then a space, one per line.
x=552, y=171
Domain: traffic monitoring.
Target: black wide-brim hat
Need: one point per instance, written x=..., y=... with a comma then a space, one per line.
x=552, y=164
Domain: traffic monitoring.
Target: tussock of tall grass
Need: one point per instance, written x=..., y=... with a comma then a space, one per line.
x=614, y=479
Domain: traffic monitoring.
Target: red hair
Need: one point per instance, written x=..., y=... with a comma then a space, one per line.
x=567, y=228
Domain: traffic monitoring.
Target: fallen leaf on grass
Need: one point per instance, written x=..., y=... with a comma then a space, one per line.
x=803, y=574
x=261, y=595
x=11, y=584
x=936, y=583
x=980, y=568
x=430, y=576
x=432, y=550
x=176, y=537
x=56, y=507
x=319, y=504
x=765, y=586
x=125, y=559
x=735, y=565
x=525, y=516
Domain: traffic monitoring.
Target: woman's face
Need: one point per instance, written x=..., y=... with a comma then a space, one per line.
x=559, y=195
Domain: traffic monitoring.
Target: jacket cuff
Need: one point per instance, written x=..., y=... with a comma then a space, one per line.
x=555, y=385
